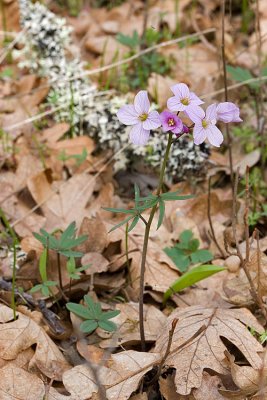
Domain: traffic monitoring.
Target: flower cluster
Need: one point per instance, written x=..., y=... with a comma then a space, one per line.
x=143, y=119
x=94, y=113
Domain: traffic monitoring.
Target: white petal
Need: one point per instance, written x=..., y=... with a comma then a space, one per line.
x=195, y=113
x=214, y=135
x=174, y=104
x=195, y=100
x=211, y=113
x=139, y=135
x=141, y=102
x=199, y=134
x=153, y=121
x=127, y=115
x=181, y=90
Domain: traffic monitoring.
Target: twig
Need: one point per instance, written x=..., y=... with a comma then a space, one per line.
x=213, y=236
x=229, y=137
x=11, y=45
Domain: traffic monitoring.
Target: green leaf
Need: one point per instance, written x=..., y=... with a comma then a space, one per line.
x=186, y=236
x=180, y=259
x=69, y=232
x=74, y=276
x=109, y=314
x=189, y=278
x=134, y=222
x=79, y=310
x=136, y=194
x=42, y=265
x=50, y=283
x=193, y=245
x=175, y=196
x=161, y=212
x=71, y=265
x=201, y=256
x=36, y=288
x=239, y=74
x=70, y=253
x=41, y=239
x=45, y=290
x=120, y=224
x=107, y=325
x=119, y=210
x=88, y=326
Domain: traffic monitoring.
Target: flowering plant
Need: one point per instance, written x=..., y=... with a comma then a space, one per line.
x=142, y=120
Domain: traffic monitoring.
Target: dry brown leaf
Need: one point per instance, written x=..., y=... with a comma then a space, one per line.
x=19, y=335
x=206, y=350
x=128, y=332
x=121, y=378
x=18, y=384
x=60, y=208
x=98, y=263
x=97, y=235
x=74, y=145
x=209, y=388
x=53, y=134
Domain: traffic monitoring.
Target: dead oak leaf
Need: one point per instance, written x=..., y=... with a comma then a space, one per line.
x=206, y=326
x=17, y=336
x=121, y=378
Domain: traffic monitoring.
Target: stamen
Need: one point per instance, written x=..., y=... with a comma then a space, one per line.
x=185, y=101
x=171, y=122
x=205, y=123
x=143, y=117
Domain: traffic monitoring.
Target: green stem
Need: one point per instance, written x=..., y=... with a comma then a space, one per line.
x=145, y=246
x=59, y=272
x=127, y=251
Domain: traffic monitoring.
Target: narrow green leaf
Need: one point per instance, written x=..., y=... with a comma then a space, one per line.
x=88, y=326
x=119, y=210
x=120, y=224
x=71, y=253
x=79, y=310
x=83, y=268
x=189, y=278
x=107, y=325
x=136, y=194
x=42, y=265
x=109, y=314
x=69, y=232
x=50, y=283
x=134, y=222
x=36, y=288
x=173, y=196
x=71, y=265
x=161, y=212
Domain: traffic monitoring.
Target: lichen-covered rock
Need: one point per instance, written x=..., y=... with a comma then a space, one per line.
x=89, y=111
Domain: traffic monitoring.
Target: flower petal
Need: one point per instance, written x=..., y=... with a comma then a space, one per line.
x=174, y=104
x=214, y=135
x=228, y=112
x=199, y=134
x=195, y=113
x=127, y=115
x=181, y=90
x=139, y=135
x=152, y=121
x=211, y=113
x=141, y=102
x=195, y=99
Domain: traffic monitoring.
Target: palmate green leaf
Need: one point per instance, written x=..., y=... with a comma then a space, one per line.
x=136, y=194
x=109, y=314
x=36, y=288
x=45, y=290
x=161, y=212
x=107, y=325
x=79, y=310
x=50, y=283
x=71, y=265
x=134, y=223
x=69, y=232
x=186, y=236
x=88, y=326
x=120, y=224
x=70, y=253
x=180, y=259
x=72, y=242
x=190, y=277
x=120, y=210
x=201, y=256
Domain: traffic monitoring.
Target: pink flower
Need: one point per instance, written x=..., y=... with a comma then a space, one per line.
x=205, y=126
x=228, y=112
x=139, y=116
x=170, y=122
x=183, y=99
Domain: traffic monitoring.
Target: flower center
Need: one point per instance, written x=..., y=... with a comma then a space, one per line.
x=185, y=101
x=143, y=117
x=171, y=122
x=205, y=123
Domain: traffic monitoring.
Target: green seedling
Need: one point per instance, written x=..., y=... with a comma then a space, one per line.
x=45, y=286
x=190, y=278
x=79, y=158
x=187, y=252
x=93, y=315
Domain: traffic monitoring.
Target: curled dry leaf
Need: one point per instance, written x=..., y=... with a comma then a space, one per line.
x=97, y=235
x=128, y=322
x=206, y=349
x=19, y=335
x=121, y=378
x=98, y=263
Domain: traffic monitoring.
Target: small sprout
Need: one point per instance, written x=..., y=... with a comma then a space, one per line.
x=74, y=273
x=93, y=315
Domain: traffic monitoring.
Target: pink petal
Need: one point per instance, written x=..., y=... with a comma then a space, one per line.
x=141, y=102
x=181, y=90
x=199, y=134
x=211, y=113
x=127, y=115
x=178, y=128
x=152, y=121
x=139, y=135
x=214, y=135
x=195, y=113
x=174, y=104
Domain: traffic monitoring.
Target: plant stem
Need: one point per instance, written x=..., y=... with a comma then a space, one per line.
x=13, y=300
x=59, y=272
x=145, y=246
